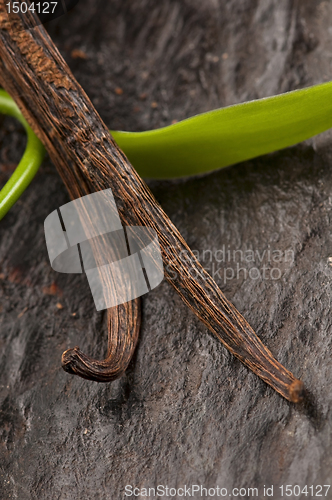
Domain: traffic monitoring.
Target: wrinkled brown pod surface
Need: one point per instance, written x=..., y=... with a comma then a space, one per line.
x=56, y=107
x=123, y=322
x=123, y=329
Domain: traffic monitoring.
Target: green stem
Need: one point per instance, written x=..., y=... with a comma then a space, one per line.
x=28, y=166
x=202, y=143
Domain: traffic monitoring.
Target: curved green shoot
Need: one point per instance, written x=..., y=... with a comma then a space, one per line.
x=202, y=143
x=29, y=164
x=229, y=135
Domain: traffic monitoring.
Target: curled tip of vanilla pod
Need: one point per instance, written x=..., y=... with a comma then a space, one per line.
x=75, y=362
x=123, y=330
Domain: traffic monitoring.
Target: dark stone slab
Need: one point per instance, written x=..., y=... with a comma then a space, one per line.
x=186, y=412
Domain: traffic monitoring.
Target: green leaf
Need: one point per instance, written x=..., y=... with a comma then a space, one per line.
x=229, y=135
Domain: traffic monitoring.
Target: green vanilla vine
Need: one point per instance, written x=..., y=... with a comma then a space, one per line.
x=199, y=144
x=28, y=166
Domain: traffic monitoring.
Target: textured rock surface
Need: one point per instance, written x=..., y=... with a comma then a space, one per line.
x=186, y=412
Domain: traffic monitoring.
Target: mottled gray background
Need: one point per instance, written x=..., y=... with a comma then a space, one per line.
x=186, y=411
